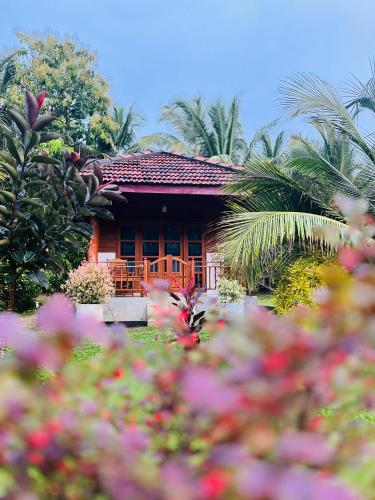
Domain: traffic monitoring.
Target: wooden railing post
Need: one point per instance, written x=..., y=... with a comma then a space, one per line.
x=169, y=270
x=192, y=270
x=146, y=264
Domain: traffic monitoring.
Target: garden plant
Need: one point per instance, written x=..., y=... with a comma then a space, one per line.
x=45, y=204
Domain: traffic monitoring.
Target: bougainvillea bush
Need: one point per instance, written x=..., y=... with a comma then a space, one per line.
x=276, y=407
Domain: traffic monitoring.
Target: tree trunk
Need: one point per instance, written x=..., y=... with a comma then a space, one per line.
x=12, y=295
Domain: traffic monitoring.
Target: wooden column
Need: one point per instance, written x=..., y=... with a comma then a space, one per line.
x=93, y=250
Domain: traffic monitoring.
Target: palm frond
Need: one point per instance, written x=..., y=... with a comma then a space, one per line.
x=256, y=139
x=123, y=138
x=162, y=140
x=189, y=119
x=309, y=95
x=233, y=127
x=361, y=95
x=216, y=112
x=248, y=240
x=209, y=130
x=264, y=186
x=307, y=160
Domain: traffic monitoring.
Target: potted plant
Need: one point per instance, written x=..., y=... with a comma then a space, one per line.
x=231, y=296
x=89, y=286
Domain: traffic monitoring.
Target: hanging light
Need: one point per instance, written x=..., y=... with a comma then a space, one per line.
x=164, y=209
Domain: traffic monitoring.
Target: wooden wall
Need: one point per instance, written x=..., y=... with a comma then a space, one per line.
x=195, y=209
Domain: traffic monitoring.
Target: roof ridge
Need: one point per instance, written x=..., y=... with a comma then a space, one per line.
x=199, y=158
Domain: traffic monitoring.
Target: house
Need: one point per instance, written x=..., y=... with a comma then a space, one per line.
x=165, y=229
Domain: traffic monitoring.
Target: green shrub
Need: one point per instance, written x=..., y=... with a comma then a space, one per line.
x=55, y=281
x=299, y=280
x=27, y=292
x=230, y=290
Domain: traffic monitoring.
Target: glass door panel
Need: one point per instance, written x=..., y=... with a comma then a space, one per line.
x=172, y=245
x=195, y=251
x=127, y=245
x=150, y=245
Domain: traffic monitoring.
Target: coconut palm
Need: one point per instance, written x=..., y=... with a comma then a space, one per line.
x=280, y=205
x=7, y=72
x=123, y=138
x=212, y=130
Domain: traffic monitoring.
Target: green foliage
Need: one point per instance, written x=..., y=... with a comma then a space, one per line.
x=56, y=148
x=298, y=282
x=230, y=291
x=27, y=292
x=45, y=201
x=67, y=72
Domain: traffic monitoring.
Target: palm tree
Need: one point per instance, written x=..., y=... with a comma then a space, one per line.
x=280, y=205
x=269, y=150
x=123, y=138
x=211, y=130
x=7, y=72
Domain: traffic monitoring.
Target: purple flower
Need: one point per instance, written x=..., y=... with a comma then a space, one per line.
x=11, y=328
x=134, y=440
x=300, y=484
x=305, y=447
x=258, y=481
x=205, y=391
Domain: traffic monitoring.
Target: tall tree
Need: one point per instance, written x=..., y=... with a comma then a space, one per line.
x=212, y=130
x=66, y=71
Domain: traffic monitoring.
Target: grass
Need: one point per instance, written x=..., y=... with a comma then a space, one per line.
x=265, y=299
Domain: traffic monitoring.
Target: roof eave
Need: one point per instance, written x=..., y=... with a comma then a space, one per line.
x=172, y=189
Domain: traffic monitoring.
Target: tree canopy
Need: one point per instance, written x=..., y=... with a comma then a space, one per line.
x=66, y=71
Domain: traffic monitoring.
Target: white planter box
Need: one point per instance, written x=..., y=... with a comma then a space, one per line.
x=234, y=310
x=94, y=310
x=237, y=310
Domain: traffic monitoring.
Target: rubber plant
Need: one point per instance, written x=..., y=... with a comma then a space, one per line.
x=45, y=204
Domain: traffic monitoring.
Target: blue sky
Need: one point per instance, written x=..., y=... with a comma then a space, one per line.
x=152, y=51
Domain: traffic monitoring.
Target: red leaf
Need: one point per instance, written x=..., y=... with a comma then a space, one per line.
x=40, y=98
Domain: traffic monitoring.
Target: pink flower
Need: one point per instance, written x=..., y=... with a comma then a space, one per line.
x=57, y=315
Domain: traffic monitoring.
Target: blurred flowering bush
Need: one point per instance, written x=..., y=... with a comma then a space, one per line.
x=90, y=283
x=273, y=408
x=230, y=291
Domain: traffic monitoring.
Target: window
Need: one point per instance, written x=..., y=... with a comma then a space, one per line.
x=127, y=244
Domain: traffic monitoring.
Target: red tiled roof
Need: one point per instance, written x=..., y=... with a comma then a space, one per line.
x=168, y=168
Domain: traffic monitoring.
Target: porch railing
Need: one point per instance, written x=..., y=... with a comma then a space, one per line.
x=128, y=276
